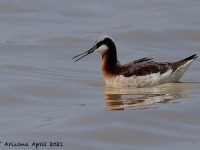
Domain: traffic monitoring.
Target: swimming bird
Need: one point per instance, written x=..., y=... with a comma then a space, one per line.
x=143, y=72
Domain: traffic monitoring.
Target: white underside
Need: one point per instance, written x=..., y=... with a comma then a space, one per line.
x=147, y=80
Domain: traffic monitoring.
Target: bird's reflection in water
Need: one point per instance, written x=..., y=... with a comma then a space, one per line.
x=120, y=99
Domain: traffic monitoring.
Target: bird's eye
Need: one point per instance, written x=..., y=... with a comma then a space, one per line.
x=98, y=44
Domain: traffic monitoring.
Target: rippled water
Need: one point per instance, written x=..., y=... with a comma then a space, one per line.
x=46, y=97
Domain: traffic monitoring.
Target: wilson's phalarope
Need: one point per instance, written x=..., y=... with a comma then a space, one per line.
x=140, y=73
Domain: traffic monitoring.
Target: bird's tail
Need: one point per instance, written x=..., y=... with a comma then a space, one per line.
x=189, y=58
x=182, y=62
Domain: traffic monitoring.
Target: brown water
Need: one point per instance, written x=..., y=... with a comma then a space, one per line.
x=46, y=97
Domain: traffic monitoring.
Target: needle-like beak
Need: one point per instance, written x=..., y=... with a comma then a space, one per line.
x=84, y=53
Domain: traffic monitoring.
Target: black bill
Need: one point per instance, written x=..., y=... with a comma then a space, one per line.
x=84, y=54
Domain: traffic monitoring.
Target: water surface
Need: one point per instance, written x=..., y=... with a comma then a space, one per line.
x=46, y=97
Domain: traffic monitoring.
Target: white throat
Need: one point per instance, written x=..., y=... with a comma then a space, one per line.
x=102, y=49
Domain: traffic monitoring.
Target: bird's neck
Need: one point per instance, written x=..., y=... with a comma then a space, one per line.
x=109, y=63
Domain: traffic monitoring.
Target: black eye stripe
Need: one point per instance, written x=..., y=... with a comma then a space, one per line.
x=101, y=42
x=98, y=43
